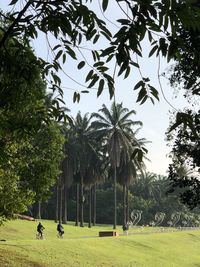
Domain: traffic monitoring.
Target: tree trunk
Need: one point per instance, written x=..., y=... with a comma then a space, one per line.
x=115, y=199
x=94, y=204
x=127, y=204
x=124, y=205
x=61, y=206
x=65, y=205
x=90, y=207
x=57, y=199
x=77, y=204
x=81, y=202
x=39, y=210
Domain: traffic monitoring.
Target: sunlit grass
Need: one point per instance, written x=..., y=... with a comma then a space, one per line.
x=82, y=247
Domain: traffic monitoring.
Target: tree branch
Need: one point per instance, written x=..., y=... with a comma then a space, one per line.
x=8, y=32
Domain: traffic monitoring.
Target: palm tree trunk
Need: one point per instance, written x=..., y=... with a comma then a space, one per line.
x=39, y=210
x=77, y=204
x=127, y=203
x=94, y=204
x=115, y=199
x=57, y=199
x=90, y=208
x=81, y=202
x=124, y=205
x=65, y=205
x=61, y=206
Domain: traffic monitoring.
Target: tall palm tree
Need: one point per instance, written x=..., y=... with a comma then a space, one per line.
x=95, y=173
x=82, y=131
x=68, y=164
x=129, y=170
x=67, y=180
x=114, y=126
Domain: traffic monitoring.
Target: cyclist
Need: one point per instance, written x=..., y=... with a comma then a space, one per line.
x=60, y=229
x=40, y=229
x=125, y=228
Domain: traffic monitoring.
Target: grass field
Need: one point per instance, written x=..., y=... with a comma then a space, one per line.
x=82, y=247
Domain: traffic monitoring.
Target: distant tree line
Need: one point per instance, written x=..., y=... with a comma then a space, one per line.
x=97, y=148
x=148, y=194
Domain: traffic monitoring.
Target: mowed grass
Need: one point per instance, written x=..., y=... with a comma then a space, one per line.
x=82, y=247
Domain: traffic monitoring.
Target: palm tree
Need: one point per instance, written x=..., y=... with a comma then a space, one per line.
x=147, y=186
x=67, y=180
x=114, y=127
x=95, y=173
x=68, y=164
x=82, y=138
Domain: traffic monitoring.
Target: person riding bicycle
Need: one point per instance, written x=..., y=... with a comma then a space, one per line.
x=60, y=229
x=40, y=229
x=125, y=228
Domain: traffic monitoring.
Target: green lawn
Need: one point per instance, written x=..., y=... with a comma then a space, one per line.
x=82, y=247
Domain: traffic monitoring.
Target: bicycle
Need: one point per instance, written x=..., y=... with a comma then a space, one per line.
x=60, y=235
x=39, y=236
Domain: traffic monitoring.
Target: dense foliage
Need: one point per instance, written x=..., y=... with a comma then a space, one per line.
x=186, y=155
x=147, y=194
x=31, y=149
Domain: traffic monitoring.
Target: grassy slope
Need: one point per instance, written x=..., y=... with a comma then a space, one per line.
x=155, y=249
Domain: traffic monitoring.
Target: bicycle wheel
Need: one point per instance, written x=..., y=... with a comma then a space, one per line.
x=59, y=235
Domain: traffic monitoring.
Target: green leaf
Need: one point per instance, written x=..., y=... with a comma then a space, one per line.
x=64, y=58
x=144, y=100
x=141, y=94
x=57, y=46
x=135, y=64
x=140, y=83
x=123, y=68
x=109, y=58
x=99, y=63
x=101, y=86
x=79, y=38
x=111, y=89
x=152, y=100
x=81, y=65
x=96, y=38
x=58, y=55
x=153, y=50
x=74, y=97
x=105, y=4
x=89, y=76
x=146, y=79
x=124, y=21
x=94, y=80
x=13, y=2
x=78, y=97
x=154, y=92
x=166, y=22
x=150, y=36
x=106, y=35
x=127, y=72
x=108, y=51
x=70, y=52
x=94, y=55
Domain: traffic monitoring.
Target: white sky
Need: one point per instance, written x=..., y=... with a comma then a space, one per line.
x=155, y=118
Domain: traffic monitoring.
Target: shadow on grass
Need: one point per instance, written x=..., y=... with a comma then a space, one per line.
x=8, y=258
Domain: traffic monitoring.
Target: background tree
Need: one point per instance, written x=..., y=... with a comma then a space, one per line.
x=185, y=152
x=86, y=155
x=114, y=127
x=29, y=145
